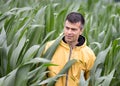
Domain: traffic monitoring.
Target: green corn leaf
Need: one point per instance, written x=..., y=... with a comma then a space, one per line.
x=16, y=53
x=38, y=60
x=9, y=80
x=30, y=53
x=52, y=48
x=83, y=82
x=108, y=78
x=21, y=75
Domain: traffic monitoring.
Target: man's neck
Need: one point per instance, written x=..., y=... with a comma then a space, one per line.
x=72, y=44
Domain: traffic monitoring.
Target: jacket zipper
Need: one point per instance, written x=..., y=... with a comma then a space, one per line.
x=66, y=83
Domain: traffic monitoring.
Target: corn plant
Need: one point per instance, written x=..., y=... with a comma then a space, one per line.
x=26, y=26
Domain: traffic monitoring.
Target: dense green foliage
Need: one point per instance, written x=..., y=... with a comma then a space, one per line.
x=26, y=25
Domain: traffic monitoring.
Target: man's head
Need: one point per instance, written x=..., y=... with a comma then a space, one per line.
x=73, y=27
x=75, y=17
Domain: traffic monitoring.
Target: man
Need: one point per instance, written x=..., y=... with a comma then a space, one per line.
x=72, y=46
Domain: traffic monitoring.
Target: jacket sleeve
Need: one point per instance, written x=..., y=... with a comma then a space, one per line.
x=89, y=64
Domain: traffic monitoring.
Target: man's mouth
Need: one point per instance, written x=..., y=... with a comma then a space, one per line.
x=69, y=36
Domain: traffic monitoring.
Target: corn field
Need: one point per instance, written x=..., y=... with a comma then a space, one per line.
x=26, y=26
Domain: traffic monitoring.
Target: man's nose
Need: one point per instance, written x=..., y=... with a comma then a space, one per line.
x=69, y=31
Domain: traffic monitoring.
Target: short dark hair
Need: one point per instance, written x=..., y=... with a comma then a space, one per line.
x=75, y=17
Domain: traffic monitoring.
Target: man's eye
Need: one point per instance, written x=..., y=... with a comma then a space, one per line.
x=74, y=29
x=67, y=28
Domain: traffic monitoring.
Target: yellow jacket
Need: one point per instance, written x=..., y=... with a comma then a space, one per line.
x=85, y=60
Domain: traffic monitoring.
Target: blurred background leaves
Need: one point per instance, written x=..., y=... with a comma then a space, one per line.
x=26, y=26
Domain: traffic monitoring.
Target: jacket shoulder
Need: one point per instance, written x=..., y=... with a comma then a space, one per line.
x=89, y=52
x=48, y=44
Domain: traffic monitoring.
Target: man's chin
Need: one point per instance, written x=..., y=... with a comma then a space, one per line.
x=69, y=41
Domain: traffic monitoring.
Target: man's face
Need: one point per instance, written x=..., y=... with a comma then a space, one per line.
x=72, y=31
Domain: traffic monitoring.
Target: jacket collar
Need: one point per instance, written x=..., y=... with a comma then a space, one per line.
x=81, y=40
x=82, y=43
